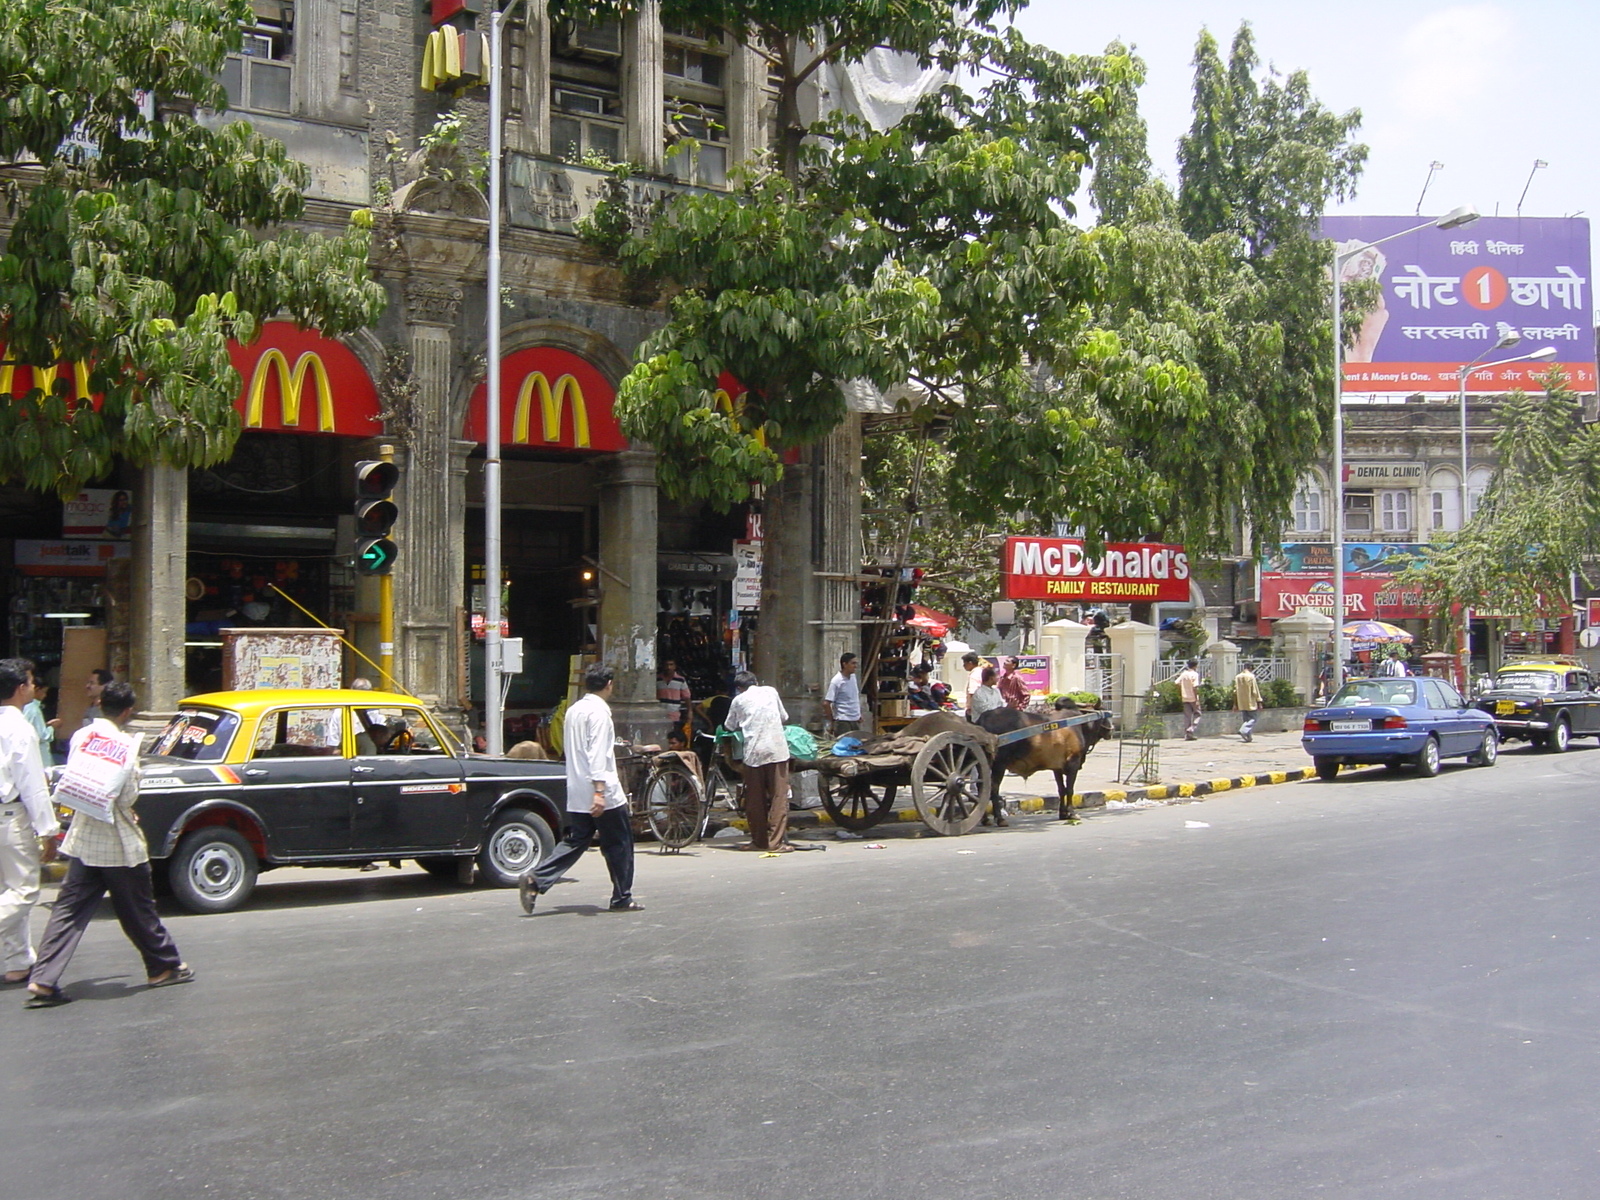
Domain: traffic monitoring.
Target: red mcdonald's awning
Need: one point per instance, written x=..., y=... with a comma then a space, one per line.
x=297, y=381
x=549, y=399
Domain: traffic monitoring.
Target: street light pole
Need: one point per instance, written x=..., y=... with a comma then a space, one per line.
x=1544, y=354
x=1453, y=219
x=493, y=707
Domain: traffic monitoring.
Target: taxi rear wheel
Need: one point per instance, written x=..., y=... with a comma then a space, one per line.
x=519, y=842
x=213, y=870
x=1559, y=738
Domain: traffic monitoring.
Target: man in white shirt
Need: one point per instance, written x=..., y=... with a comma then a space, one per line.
x=758, y=713
x=973, y=665
x=107, y=856
x=27, y=819
x=841, y=703
x=597, y=807
x=1188, y=681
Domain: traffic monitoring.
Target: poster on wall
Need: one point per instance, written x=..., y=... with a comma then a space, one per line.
x=747, y=575
x=98, y=513
x=1448, y=296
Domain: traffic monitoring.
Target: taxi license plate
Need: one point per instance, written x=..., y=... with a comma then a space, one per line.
x=1350, y=726
x=1505, y=707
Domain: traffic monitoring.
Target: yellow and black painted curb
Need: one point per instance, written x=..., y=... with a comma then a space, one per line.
x=806, y=818
x=1172, y=791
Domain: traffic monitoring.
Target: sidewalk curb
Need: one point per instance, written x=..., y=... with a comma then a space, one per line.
x=810, y=818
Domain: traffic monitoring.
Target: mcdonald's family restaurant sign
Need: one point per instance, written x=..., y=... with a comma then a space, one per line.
x=295, y=381
x=550, y=399
x=1058, y=569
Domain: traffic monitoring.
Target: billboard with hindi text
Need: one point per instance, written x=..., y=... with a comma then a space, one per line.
x=1448, y=296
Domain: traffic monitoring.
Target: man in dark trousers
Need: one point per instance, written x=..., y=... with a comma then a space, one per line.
x=107, y=856
x=597, y=807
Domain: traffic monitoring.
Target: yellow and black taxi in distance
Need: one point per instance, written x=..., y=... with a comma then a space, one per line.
x=1547, y=701
x=241, y=782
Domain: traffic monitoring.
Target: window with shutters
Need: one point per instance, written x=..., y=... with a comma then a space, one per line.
x=694, y=75
x=1394, y=508
x=586, y=109
x=1308, y=509
x=259, y=78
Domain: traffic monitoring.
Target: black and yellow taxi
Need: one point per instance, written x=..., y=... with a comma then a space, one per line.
x=241, y=782
x=1546, y=701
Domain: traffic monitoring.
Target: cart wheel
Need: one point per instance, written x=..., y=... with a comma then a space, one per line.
x=950, y=783
x=675, y=805
x=854, y=803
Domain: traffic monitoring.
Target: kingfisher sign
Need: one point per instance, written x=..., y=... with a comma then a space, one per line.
x=1040, y=568
x=549, y=399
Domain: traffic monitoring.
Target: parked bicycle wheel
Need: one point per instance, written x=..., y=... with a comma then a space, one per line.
x=675, y=804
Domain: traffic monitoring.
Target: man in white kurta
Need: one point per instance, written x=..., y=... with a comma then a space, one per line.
x=27, y=818
x=597, y=807
x=758, y=713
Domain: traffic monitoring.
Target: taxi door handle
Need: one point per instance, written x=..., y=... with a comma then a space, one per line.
x=362, y=770
x=253, y=771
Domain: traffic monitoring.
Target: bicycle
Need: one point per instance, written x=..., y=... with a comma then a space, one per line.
x=666, y=796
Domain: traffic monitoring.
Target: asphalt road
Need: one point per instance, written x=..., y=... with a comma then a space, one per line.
x=1381, y=987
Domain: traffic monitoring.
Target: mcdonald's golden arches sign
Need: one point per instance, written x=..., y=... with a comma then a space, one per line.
x=549, y=399
x=297, y=381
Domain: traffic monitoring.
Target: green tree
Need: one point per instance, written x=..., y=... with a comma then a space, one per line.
x=140, y=244
x=1539, y=521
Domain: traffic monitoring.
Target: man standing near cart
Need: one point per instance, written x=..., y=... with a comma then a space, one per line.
x=597, y=807
x=841, y=703
x=758, y=713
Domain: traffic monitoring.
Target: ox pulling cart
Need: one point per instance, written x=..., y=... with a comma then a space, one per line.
x=947, y=763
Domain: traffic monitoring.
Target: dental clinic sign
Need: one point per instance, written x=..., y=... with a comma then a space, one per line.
x=1040, y=568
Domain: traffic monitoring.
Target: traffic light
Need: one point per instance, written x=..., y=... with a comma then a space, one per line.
x=375, y=516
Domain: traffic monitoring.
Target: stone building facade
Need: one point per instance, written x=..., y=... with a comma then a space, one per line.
x=596, y=560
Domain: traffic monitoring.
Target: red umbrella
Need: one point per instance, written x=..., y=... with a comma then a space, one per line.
x=936, y=623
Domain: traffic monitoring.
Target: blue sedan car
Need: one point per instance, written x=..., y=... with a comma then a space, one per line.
x=1399, y=722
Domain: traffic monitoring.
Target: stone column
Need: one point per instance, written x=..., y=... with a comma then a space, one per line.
x=428, y=574
x=1064, y=641
x=642, y=94
x=531, y=134
x=628, y=591
x=1224, y=656
x=160, y=569
x=747, y=95
x=1301, y=639
x=1139, y=645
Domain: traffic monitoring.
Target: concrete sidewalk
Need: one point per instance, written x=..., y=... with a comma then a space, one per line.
x=1197, y=768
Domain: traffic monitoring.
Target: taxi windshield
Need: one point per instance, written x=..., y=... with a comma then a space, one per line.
x=197, y=734
x=1527, y=681
x=1376, y=691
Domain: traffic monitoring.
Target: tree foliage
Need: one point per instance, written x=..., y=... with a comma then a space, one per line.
x=1132, y=378
x=1229, y=278
x=1539, y=520
x=138, y=244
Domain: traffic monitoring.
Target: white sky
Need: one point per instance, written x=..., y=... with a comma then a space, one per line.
x=1483, y=87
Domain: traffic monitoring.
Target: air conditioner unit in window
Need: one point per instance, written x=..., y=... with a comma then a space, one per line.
x=596, y=41
x=590, y=104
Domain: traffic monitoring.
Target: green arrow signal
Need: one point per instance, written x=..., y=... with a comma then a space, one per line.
x=376, y=556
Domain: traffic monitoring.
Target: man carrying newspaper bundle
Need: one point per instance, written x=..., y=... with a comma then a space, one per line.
x=107, y=848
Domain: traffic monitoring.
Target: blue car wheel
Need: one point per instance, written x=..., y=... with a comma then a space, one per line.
x=1428, y=758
